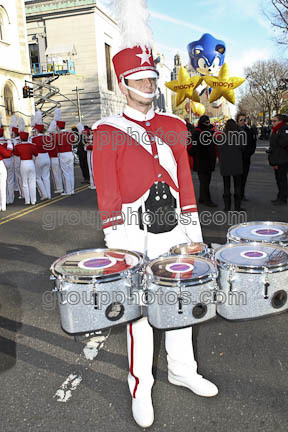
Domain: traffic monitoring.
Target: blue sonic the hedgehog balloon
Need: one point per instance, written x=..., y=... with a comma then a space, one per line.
x=207, y=54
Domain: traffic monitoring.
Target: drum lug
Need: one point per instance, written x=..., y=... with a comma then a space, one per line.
x=230, y=278
x=95, y=294
x=180, y=298
x=266, y=283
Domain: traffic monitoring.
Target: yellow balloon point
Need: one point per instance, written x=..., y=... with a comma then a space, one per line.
x=184, y=86
x=223, y=85
x=197, y=108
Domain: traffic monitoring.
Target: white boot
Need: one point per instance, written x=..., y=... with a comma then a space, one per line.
x=140, y=378
x=182, y=367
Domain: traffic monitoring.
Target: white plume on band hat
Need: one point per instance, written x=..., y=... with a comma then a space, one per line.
x=21, y=124
x=132, y=17
x=38, y=117
x=57, y=117
x=80, y=127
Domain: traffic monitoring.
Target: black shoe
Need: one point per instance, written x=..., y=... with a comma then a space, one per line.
x=85, y=181
x=200, y=201
x=210, y=204
x=244, y=199
x=280, y=203
x=275, y=201
x=240, y=209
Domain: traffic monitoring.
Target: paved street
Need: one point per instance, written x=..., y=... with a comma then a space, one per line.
x=247, y=360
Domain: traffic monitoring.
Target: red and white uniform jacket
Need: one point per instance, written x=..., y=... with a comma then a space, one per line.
x=26, y=151
x=65, y=141
x=40, y=143
x=4, y=152
x=126, y=162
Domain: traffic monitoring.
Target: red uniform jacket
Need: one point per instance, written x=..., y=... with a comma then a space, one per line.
x=124, y=172
x=4, y=153
x=65, y=141
x=25, y=151
x=40, y=143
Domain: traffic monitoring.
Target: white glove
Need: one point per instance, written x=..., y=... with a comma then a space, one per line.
x=9, y=145
x=115, y=237
x=193, y=229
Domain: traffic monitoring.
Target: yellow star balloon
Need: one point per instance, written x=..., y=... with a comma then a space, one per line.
x=223, y=85
x=184, y=86
x=197, y=108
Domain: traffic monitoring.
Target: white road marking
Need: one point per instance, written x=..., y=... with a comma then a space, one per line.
x=94, y=345
x=64, y=393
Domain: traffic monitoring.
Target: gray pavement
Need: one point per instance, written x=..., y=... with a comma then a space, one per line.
x=247, y=360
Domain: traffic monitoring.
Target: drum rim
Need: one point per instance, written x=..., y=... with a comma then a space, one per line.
x=251, y=268
x=204, y=249
x=92, y=278
x=235, y=237
x=207, y=278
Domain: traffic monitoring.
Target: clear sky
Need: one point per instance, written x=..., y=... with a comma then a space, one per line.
x=240, y=23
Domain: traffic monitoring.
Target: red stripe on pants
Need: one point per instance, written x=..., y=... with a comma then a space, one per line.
x=132, y=361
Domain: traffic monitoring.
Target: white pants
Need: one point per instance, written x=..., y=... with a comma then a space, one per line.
x=56, y=174
x=90, y=166
x=66, y=160
x=3, y=179
x=42, y=166
x=178, y=343
x=28, y=174
x=9, y=163
x=18, y=179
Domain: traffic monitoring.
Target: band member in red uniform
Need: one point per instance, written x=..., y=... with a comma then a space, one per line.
x=42, y=161
x=26, y=151
x=65, y=141
x=141, y=166
x=5, y=152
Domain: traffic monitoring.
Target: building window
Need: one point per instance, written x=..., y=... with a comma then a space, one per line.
x=108, y=67
x=8, y=98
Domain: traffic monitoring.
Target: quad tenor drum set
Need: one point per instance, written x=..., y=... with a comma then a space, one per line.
x=246, y=278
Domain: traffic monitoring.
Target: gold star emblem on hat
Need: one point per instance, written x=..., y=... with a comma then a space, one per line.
x=184, y=86
x=223, y=85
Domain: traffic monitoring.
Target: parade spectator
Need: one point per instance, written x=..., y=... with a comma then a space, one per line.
x=278, y=156
x=231, y=164
x=204, y=155
x=81, y=152
x=248, y=151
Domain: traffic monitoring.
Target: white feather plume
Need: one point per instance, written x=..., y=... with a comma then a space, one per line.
x=33, y=120
x=52, y=127
x=38, y=117
x=80, y=127
x=132, y=17
x=57, y=114
x=13, y=121
x=21, y=124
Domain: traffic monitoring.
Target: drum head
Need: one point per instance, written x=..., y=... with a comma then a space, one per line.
x=252, y=256
x=180, y=268
x=264, y=232
x=95, y=263
x=198, y=249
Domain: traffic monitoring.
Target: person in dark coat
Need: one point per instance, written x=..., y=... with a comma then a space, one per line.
x=204, y=155
x=82, y=155
x=231, y=163
x=249, y=150
x=278, y=156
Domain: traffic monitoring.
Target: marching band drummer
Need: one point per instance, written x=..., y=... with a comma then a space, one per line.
x=144, y=173
x=14, y=132
x=26, y=150
x=87, y=137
